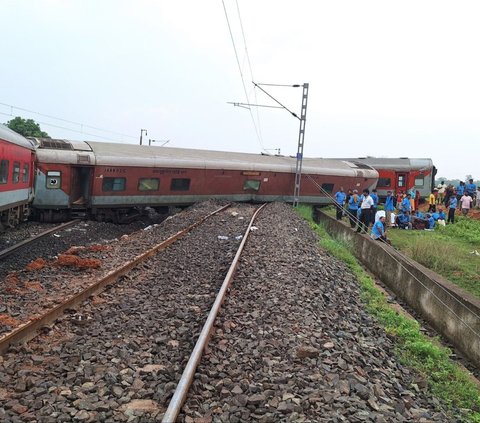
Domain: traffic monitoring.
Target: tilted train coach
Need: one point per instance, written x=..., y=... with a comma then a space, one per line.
x=108, y=180
x=16, y=177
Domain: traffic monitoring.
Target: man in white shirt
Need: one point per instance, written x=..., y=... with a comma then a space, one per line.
x=366, y=212
x=466, y=203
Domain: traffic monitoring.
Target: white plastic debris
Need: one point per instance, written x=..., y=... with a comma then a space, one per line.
x=239, y=237
x=223, y=237
x=56, y=235
x=148, y=228
x=254, y=228
x=234, y=214
x=295, y=229
x=241, y=218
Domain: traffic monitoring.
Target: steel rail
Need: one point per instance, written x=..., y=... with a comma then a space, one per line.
x=7, y=251
x=186, y=379
x=29, y=330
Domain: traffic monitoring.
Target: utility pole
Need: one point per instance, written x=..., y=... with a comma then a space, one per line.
x=301, y=137
x=141, y=134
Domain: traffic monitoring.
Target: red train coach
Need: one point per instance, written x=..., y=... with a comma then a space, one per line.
x=402, y=174
x=16, y=177
x=107, y=180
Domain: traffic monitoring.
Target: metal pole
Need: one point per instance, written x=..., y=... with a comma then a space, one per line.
x=301, y=137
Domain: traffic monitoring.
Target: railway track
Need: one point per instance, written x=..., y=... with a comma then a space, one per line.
x=7, y=251
x=291, y=342
x=28, y=330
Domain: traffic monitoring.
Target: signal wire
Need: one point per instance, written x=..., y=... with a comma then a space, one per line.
x=65, y=128
x=241, y=76
x=65, y=120
x=357, y=221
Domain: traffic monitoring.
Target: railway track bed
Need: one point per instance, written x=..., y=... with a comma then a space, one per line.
x=292, y=342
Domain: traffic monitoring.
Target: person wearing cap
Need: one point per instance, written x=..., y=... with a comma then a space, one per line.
x=389, y=208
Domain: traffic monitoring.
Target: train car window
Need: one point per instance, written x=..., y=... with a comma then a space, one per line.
x=3, y=171
x=401, y=181
x=251, y=184
x=180, y=184
x=419, y=181
x=384, y=182
x=25, y=173
x=114, y=184
x=16, y=173
x=148, y=184
x=328, y=188
x=54, y=179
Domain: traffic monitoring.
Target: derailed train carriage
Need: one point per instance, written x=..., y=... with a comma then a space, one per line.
x=16, y=177
x=109, y=181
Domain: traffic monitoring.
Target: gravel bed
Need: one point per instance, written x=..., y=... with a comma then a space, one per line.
x=25, y=230
x=44, y=283
x=120, y=356
x=294, y=342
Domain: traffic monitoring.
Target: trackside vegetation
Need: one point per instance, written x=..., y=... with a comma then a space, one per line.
x=446, y=380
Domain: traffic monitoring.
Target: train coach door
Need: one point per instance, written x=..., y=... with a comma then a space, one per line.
x=81, y=183
x=401, y=183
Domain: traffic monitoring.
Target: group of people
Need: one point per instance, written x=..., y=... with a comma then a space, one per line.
x=402, y=210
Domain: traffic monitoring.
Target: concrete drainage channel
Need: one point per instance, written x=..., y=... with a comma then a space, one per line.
x=451, y=311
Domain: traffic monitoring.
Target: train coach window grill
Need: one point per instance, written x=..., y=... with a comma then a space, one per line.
x=251, y=184
x=148, y=184
x=384, y=182
x=327, y=187
x=16, y=172
x=113, y=184
x=3, y=171
x=401, y=181
x=419, y=181
x=54, y=179
x=25, y=173
x=180, y=184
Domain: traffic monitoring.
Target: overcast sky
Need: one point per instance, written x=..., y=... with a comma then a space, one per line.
x=388, y=79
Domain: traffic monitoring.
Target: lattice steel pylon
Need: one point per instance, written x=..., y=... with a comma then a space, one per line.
x=301, y=137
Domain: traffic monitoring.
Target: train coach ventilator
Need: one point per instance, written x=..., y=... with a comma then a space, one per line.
x=186, y=379
x=30, y=329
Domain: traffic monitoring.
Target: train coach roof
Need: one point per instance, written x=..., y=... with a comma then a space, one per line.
x=400, y=163
x=11, y=136
x=110, y=154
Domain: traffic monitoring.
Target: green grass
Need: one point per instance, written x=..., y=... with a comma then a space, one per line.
x=446, y=380
x=445, y=251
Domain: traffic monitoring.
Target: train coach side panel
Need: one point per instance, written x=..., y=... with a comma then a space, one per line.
x=52, y=185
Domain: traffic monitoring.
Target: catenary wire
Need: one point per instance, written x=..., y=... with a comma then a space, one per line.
x=65, y=120
x=241, y=75
x=251, y=70
x=327, y=194
x=66, y=129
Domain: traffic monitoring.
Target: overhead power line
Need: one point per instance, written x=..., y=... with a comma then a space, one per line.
x=81, y=125
x=241, y=72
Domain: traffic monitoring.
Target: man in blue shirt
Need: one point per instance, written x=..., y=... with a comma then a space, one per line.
x=406, y=206
x=378, y=230
x=339, y=201
x=389, y=208
x=403, y=221
x=431, y=222
x=452, y=205
x=460, y=190
x=375, y=204
x=471, y=189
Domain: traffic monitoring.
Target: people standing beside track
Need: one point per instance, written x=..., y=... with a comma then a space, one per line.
x=352, y=208
x=441, y=192
x=389, y=208
x=431, y=201
x=405, y=205
x=460, y=191
x=471, y=189
x=378, y=230
x=375, y=204
x=452, y=206
x=465, y=203
x=339, y=200
x=366, y=212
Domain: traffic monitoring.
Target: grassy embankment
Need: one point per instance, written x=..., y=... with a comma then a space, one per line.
x=446, y=380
